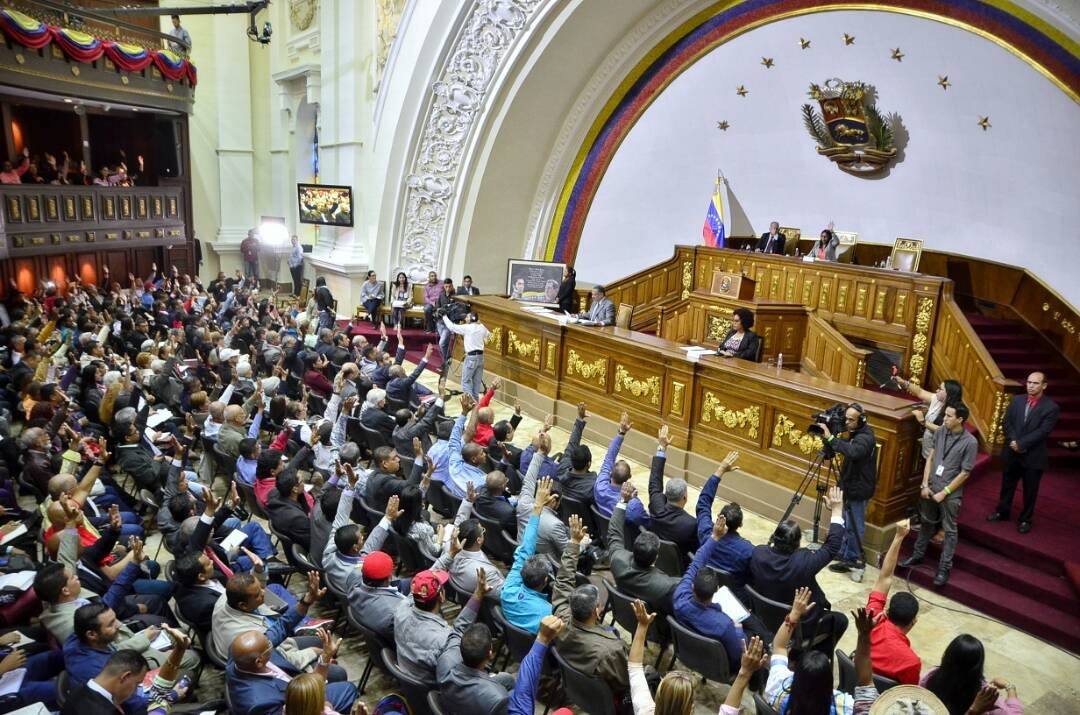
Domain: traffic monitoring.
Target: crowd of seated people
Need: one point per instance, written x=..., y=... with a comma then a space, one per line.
x=47, y=168
x=266, y=451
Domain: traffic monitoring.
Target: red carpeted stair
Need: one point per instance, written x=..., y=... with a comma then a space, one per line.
x=1026, y=580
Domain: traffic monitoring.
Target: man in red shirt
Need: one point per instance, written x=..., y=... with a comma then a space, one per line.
x=889, y=645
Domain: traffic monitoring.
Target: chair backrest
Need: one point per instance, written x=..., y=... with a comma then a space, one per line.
x=705, y=656
x=412, y=558
x=63, y=687
x=588, y=693
x=497, y=543
x=621, y=604
x=762, y=707
x=300, y=557
x=624, y=315
x=771, y=612
x=845, y=252
x=846, y=668
x=248, y=493
x=669, y=560
x=791, y=239
x=905, y=254
x=569, y=505
x=438, y=498
x=224, y=463
x=434, y=701
x=374, y=515
x=374, y=437
x=414, y=691
x=518, y=640
x=216, y=657
x=601, y=522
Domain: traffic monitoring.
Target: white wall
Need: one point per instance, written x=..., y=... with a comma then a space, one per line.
x=1008, y=194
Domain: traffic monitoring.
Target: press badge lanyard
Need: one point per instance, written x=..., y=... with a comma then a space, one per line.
x=945, y=455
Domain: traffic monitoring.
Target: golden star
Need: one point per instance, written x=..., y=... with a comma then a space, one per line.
x=943, y=80
x=898, y=55
x=804, y=43
x=742, y=91
x=849, y=39
x=984, y=122
x=722, y=125
x=767, y=61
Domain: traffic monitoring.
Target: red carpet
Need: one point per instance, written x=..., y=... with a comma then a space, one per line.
x=416, y=341
x=1022, y=579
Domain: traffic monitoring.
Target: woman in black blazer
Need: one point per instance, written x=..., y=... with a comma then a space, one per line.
x=741, y=341
x=566, y=290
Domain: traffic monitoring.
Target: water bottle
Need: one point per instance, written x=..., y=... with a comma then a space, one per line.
x=780, y=361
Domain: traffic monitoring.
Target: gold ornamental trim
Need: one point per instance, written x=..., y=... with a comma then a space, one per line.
x=596, y=369
x=921, y=340
x=748, y=417
x=529, y=350
x=687, y=278
x=494, y=340
x=647, y=387
x=677, y=391
x=997, y=424
x=784, y=427
x=550, y=364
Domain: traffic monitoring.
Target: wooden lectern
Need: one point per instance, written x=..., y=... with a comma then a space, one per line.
x=732, y=285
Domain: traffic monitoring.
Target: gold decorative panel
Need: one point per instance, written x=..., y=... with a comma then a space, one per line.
x=526, y=349
x=823, y=297
x=789, y=296
x=141, y=209
x=596, y=369
x=678, y=389
x=924, y=312
x=69, y=208
x=774, y=285
x=748, y=418
x=807, y=291
x=108, y=207
x=648, y=388
x=899, y=312
x=14, y=209
x=52, y=209
x=860, y=300
x=156, y=209
x=784, y=427
x=717, y=325
x=33, y=208
x=879, y=304
x=171, y=209
x=494, y=340
x=125, y=207
x=550, y=364
x=687, y=278
x=841, y=298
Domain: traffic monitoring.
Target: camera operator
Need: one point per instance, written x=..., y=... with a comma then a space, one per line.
x=472, y=368
x=858, y=479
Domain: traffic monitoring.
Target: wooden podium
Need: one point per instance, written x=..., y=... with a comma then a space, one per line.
x=732, y=285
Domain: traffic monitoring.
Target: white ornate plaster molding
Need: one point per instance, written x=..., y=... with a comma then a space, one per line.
x=1065, y=15
x=455, y=101
x=641, y=39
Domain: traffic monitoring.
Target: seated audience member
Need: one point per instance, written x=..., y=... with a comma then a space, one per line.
x=608, y=486
x=97, y=634
x=257, y=677
x=467, y=287
x=732, y=554
x=386, y=481
x=601, y=309
x=466, y=553
x=552, y=534
x=466, y=686
x=575, y=479
x=289, y=507
x=587, y=644
x=523, y=601
x=421, y=633
x=549, y=468
x=960, y=683
x=780, y=568
x=405, y=388
x=494, y=504
x=419, y=425
x=464, y=456
x=635, y=571
x=667, y=517
x=439, y=454
x=198, y=590
x=808, y=686
x=271, y=464
x=825, y=248
x=891, y=649
x=741, y=341
x=116, y=688
x=373, y=416
x=675, y=693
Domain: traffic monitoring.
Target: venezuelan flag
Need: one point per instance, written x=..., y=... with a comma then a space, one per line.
x=713, y=229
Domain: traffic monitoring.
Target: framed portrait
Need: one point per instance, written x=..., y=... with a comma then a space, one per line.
x=534, y=281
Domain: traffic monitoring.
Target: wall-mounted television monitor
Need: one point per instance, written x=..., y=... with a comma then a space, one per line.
x=325, y=204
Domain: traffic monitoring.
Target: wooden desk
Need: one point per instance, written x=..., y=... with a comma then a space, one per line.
x=711, y=406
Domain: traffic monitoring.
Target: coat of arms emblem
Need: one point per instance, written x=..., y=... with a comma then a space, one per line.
x=849, y=130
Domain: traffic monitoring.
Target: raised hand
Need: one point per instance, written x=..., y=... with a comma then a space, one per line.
x=178, y=637
x=627, y=492
x=543, y=491
x=624, y=423
x=754, y=656
x=482, y=587
x=329, y=643
x=350, y=475
x=256, y=562
x=211, y=502
x=662, y=437
x=719, y=527
x=864, y=622
x=496, y=384
x=800, y=604
x=234, y=497
x=728, y=464
x=314, y=592
x=581, y=410
x=549, y=422
x=834, y=499
x=470, y=492
x=115, y=522
x=577, y=529
x=550, y=628
x=136, y=545
x=644, y=618
x=903, y=528
x=456, y=545
x=418, y=448
x=467, y=403
x=392, y=511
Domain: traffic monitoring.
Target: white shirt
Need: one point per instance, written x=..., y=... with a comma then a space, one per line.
x=474, y=333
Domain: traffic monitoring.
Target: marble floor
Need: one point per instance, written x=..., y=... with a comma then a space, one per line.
x=1047, y=678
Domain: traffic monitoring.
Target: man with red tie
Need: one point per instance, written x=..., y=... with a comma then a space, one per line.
x=1028, y=423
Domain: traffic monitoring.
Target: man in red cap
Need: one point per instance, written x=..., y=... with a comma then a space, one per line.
x=420, y=631
x=373, y=599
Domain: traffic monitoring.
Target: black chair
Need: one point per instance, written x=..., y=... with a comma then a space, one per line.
x=622, y=609
x=374, y=516
x=669, y=560
x=375, y=646
x=704, y=656
x=414, y=691
x=217, y=658
x=848, y=678
x=413, y=560
x=440, y=500
x=762, y=707
x=247, y=492
x=224, y=465
x=434, y=701
x=407, y=464
x=588, y=693
x=392, y=405
x=374, y=438
x=568, y=506
x=772, y=614
x=601, y=522
x=518, y=641
x=497, y=543
x=26, y=486
x=63, y=687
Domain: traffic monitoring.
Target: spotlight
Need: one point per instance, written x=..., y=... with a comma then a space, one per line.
x=272, y=231
x=254, y=35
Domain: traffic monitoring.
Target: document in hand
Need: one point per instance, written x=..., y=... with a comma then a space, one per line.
x=731, y=605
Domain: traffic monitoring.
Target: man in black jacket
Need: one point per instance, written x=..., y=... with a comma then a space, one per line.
x=772, y=241
x=668, y=519
x=385, y=482
x=493, y=503
x=635, y=571
x=575, y=477
x=858, y=479
x=288, y=509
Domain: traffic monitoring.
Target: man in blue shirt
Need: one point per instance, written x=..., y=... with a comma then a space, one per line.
x=611, y=478
x=523, y=601
x=465, y=461
x=549, y=467
x=693, y=600
x=732, y=554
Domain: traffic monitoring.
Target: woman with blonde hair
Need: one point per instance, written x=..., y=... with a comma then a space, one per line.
x=306, y=695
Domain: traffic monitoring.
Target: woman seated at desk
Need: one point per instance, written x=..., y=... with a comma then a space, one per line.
x=741, y=341
x=825, y=248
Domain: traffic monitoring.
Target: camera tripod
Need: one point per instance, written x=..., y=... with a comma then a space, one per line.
x=821, y=480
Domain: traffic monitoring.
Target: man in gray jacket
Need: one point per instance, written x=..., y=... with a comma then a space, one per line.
x=373, y=600
x=634, y=571
x=552, y=535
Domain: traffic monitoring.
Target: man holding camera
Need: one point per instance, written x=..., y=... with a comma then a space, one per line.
x=472, y=368
x=858, y=479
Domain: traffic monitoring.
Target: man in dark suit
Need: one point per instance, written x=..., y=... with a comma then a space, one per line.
x=198, y=589
x=668, y=519
x=772, y=241
x=1028, y=423
x=634, y=571
x=385, y=482
x=575, y=477
x=107, y=693
x=780, y=567
x=374, y=418
x=289, y=511
x=466, y=287
x=493, y=503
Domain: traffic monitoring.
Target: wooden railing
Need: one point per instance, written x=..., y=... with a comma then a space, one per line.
x=960, y=355
x=827, y=353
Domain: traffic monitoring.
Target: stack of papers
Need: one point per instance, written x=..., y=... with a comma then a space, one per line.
x=20, y=581
x=158, y=417
x=13, y=534
x=730, y=604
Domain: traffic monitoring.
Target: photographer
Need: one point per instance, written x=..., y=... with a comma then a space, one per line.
x=858, y=479
x=472, y=368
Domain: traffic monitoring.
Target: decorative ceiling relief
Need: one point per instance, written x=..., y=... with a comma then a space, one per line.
x=388, y=20
x=456, y=98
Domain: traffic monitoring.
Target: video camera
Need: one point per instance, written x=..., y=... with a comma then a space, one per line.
x=458, y=311
x=835, y=418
